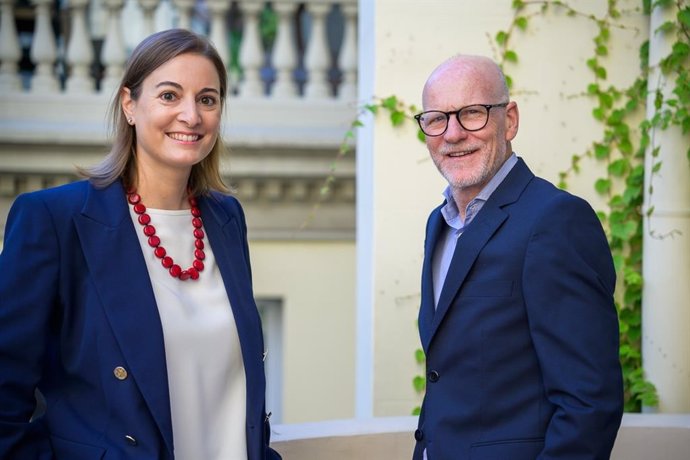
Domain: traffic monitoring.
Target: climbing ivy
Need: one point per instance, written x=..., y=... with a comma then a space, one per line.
x=620, y=153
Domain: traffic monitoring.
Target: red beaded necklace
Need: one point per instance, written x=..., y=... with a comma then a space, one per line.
x=155, y=242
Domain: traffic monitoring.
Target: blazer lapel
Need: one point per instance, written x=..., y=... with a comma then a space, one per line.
x=118, y=270
x=477, y=235
x=427, y=308
x=467, y=249
x=225, y=233
x=228, y=247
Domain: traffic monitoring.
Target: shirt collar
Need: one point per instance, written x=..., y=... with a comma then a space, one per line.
x=450, y=210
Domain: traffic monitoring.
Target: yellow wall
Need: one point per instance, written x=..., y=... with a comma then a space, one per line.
x=315, y=281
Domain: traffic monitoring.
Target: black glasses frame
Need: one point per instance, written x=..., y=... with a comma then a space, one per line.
x=488, y=108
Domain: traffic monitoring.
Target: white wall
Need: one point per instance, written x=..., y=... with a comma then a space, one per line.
x=409, y=39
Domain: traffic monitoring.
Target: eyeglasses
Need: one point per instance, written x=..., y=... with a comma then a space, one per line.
x=471, y=118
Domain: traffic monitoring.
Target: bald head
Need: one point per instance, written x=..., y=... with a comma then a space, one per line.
x=477, y=72
x=469, y=123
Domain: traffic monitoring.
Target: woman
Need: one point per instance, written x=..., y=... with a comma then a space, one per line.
x=126, y=299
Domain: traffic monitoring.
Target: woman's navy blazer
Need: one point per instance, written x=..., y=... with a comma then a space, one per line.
x=76, y=302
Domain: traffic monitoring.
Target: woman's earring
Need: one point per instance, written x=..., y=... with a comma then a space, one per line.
x=129, y=120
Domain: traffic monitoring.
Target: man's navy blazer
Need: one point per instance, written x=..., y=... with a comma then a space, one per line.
x=76, y=302
x=522, y=349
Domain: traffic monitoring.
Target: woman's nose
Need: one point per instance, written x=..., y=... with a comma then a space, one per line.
x=189, y=113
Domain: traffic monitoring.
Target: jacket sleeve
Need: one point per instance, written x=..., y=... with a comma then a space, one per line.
x=569, y=281
x=28, y=292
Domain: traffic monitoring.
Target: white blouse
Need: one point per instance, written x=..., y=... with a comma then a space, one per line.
x=206, y=376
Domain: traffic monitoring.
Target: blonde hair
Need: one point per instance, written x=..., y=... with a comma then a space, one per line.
x=151, y=53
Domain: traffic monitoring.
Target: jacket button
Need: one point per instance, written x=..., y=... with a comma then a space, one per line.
x=433, y=376
x=418, y=435
x=120, y=373
x=131, y=440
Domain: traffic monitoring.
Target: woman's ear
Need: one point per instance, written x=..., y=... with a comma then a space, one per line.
x=127, y=104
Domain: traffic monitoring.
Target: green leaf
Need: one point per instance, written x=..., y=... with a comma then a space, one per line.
x=644, y=56
x=656, y=168
x=601, y=50
x=419, y=356
x=619, y=167
x=419, y=383
x=600, y=72
x=666, y=27
x=390, y=103
x=662, y=3
x=647, y=7
x=632, y=195
x=602, y=186
x=521, y=23
x=501, y=38
x=510, y=56
x=372, y=108
x=625, y=146
x=606, y=100
x=397, y=118
x=416, y=411
x=421, y=136
x=625, y=230
x=601, y=151
x=518, y=4
x=684, y=17
x=618, y=262
x=633, y=278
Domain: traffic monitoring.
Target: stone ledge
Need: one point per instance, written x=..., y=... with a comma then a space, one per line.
x=641, y=437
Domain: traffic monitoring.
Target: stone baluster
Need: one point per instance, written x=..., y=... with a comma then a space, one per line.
x=97, y=19
x=316, y=55
x=184, y=8
x=347, y=60
x=113, y=53
x=148, y=9
x=218, y=32
x=251, y=51
x=43, y=51
x=10, y=52
x=284, y=55
x=79, y=50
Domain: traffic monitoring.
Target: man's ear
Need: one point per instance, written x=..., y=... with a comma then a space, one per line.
x=512, y=120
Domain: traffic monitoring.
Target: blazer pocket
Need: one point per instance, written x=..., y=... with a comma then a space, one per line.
x=487, y=288
x=70, y=450
x=513, y=449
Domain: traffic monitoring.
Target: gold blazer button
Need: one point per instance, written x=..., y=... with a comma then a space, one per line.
x=120, y=373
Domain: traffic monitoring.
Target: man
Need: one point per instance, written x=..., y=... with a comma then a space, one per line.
x=517, y=317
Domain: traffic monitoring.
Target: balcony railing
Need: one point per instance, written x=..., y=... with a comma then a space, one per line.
x=292, y=67
x=292, y=64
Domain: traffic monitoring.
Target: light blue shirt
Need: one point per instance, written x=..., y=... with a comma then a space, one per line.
x=445, y=248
